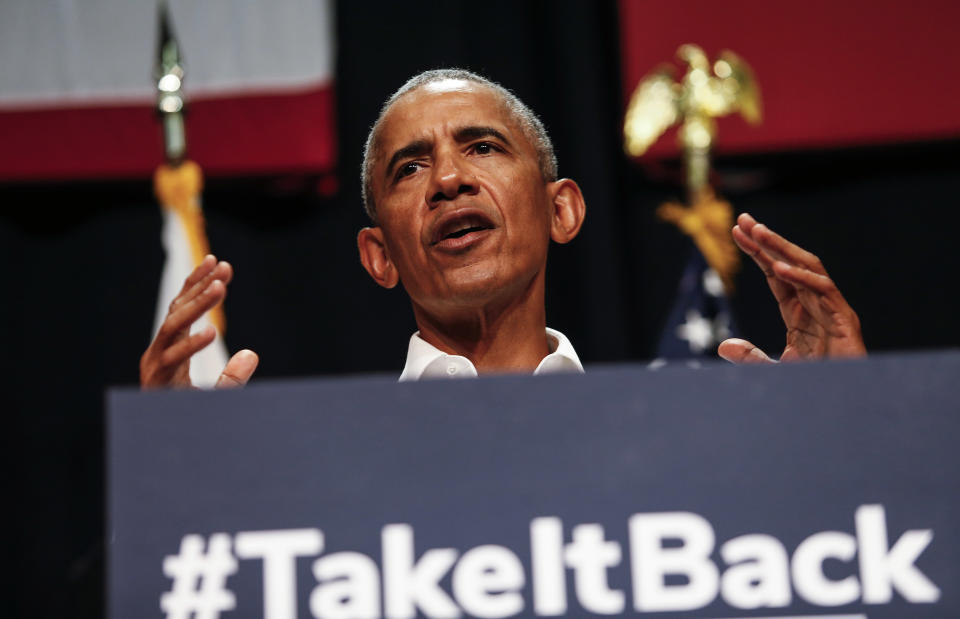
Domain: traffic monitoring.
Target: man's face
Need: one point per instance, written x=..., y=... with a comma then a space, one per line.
x=463, y=207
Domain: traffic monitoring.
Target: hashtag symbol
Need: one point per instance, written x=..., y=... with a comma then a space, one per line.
x=199, y=580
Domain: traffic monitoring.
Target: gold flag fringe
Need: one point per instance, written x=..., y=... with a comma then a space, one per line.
x=178, y=188
x=708, y=222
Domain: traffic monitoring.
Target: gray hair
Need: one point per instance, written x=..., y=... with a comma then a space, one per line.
x=529, y=124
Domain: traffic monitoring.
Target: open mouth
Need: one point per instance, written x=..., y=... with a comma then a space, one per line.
x=459, y=226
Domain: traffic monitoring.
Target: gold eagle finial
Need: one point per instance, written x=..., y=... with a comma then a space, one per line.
x=704, y=92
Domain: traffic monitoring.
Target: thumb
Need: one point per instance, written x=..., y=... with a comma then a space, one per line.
x=239, y=369
x=736, y=350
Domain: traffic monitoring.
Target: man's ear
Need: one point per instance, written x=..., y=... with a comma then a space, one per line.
x=569, y=209
x=375, y=258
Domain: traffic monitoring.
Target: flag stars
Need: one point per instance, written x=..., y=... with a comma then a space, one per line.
x=701, y=333
x=696, y=331
x=712, y=283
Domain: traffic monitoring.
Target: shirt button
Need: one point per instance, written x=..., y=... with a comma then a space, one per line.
x=451, y=369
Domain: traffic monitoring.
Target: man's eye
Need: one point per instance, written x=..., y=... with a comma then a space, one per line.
x=407, y=169
x=484, y=148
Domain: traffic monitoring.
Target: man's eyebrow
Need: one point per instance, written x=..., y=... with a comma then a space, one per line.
x=422, y=147
x=465, y=134
x=413, y=149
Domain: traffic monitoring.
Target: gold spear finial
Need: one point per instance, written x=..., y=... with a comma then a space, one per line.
x=169, y=75
x=704, y=93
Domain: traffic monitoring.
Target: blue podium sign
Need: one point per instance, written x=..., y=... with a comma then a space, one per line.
x=815, y=490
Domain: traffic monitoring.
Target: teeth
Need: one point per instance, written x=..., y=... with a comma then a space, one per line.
x=463, y=226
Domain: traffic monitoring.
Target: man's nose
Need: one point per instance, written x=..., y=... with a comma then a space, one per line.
x=451, y=178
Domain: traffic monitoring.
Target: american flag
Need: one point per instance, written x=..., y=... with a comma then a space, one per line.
x=701, y=316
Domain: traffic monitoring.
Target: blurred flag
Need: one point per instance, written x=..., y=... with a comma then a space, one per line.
x=77, y=94
x=700, y=317
x=178, y=190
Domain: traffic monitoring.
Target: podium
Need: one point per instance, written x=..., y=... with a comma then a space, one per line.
x=809, y=490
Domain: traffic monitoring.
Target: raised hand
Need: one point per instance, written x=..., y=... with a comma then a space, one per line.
x=166, y=362
x=820, y=323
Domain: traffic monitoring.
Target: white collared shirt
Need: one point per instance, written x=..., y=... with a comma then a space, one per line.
x=426, y=361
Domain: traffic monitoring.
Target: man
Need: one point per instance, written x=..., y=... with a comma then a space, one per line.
x=460, y=182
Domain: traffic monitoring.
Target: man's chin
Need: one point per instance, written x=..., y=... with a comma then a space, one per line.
x=462, y=288
x=477, y=288
x=469, y=288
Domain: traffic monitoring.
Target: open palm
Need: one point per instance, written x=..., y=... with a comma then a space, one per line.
x=820, y=323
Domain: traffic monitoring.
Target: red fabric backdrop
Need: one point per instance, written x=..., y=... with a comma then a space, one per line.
x=261, y=134
x=831, y=73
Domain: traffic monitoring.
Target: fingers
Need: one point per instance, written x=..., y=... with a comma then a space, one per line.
x=185, y=348
x=776, y=246
x=239, y=369
x=203, y=289
x=187, y=312
x=736, y=350
x=170, y=366
x=791, y=271
x=166, y=362
x=819, y=320
x=820, y=297
x=782, y=291
x=200, y=279
x=206, y=265
x=741, y=236
x=804, y=277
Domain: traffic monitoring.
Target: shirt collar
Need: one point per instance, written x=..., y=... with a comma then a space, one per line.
x=426, y=361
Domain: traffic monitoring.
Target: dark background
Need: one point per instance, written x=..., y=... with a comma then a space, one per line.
x=82, y=261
